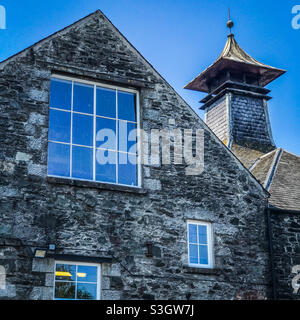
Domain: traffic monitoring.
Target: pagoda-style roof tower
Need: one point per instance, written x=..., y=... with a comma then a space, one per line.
x=236, y=104
x=232, y=63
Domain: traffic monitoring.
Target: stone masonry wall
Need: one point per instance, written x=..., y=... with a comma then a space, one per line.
x=93, y=221
x=286, y=240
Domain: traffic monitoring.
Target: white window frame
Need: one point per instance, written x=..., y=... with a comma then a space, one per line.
x=96, y=84
x=74, y=263
x=210, y=245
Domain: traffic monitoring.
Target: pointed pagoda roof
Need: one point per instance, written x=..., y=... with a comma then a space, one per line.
x=234, y=58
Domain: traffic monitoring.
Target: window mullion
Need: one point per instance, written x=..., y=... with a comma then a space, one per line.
x=95, y=132
x=209, y=245
x=71, y=136
x=117, y=139
x=198, y=243
x=138, y=141
x=188, y=241
x=76, y=282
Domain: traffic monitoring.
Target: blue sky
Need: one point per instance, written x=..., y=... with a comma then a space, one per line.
x=180, y=38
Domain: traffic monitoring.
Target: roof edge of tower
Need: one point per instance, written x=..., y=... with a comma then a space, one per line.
x=235, y=58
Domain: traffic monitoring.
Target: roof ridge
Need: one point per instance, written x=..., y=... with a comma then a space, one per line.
x=293, y=154
x=256, y=162
x=273, y=169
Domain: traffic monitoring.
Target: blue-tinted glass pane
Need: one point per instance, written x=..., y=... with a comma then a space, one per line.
x=60, y=94
x=86, y=291
x=126, y=106
x=83, y=98
x=202, y=232
x=106, y=134
x=65, y=291
x=192, y=233
x=127, y=169
x=127, y=137
x=82, y=163
x=106, y=103
x=87, y=274
x=58, y=159
x=194, y=253
x=83, y=130
x=65, y=272
x=59, y=126
x=106, y=166
x=203, y=253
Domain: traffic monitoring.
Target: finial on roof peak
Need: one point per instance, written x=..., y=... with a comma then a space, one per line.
x=230, y=23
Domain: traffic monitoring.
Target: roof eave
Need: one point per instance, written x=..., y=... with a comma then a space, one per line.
x=268, y=73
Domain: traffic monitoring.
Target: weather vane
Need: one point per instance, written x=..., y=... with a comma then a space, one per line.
x=230, y=23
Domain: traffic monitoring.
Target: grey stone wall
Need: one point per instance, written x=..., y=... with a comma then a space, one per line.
x=89, y=220
x=286, y=246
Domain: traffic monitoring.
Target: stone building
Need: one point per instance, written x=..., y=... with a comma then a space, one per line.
x=236, y=110
x=74, y=226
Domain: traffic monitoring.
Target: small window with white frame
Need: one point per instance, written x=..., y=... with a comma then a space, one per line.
x=200, y=244
x=76, y=281
x=93, y=132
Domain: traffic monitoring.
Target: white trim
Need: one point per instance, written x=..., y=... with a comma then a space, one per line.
x=138, y=137
x=73, y=263
x=93, y=83
x=94, y=133
x=71, y=136
x=91, y=147
x=209, y=227
x=257, y=161
x=91, y=115
x=100, y=182
x=117, y=137
x=273, y=169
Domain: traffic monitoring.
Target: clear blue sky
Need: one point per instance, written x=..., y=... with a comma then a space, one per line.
x=180, y=38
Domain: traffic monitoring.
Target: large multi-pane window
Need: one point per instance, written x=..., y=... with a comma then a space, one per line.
x=76, y=281
x=200, y=244
x=93, y=132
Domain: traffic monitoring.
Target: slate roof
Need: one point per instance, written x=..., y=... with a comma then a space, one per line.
x=262, y=166
x=246, y=155
x=279, y=173
x=233, y=57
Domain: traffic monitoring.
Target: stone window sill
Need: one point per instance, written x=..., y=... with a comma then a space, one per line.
x=207, y=271
x=96, y=185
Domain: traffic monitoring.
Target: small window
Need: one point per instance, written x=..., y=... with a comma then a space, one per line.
x=93, y=132
x=200, y=244
x=76, y=281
